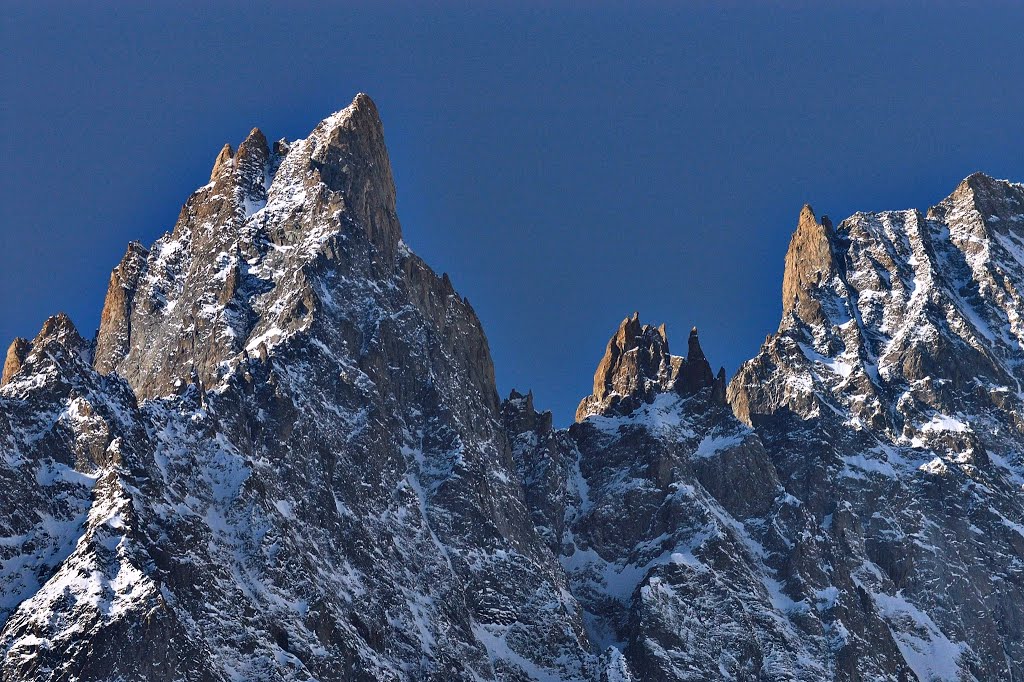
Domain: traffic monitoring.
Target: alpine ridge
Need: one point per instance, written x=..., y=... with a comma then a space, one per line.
x=284, y=457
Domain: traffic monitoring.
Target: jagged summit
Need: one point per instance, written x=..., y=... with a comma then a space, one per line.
x=898, y=297
x=1000, y=202
x=809, y=262
x=286, y=407
x=57, y=335
x=637, y=365
x=898, y=366
x=237, y=269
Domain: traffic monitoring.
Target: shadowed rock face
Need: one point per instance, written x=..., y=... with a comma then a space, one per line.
x=284, y=458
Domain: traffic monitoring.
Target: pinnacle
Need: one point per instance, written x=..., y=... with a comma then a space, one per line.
x=979, y=176
x=254, y=143
x=808, y=263
x=348, y=152
x=694, y=352
x=16, y=354
x=135, y=246
x=225, y=155
x=637, y=365
x=58, y=326
x=56, y=329
x=363, y=101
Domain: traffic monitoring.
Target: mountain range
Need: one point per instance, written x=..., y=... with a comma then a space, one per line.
x=283, y=456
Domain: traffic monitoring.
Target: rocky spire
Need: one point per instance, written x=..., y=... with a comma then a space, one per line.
x=57, y=337
x=696, y=373
x=637, y=365
x=251, y=164
x=352, y=161
x=809, y=262
x=16, y=354
x=114, y=336
x=59, y=329
x=718, y=387
x=221, y=162
x=520, y=415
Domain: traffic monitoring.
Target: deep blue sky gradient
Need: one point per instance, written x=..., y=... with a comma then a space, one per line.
x=566, y=165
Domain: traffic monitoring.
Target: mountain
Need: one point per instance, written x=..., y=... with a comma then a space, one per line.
x=890, y=401
x=283, y=457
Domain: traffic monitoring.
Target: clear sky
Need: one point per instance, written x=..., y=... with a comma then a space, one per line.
x=566, y=164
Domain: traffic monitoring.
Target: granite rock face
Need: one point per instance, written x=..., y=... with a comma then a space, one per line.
x=15, y=358
x=113, y=339
x=676, y=533
x=284, y=458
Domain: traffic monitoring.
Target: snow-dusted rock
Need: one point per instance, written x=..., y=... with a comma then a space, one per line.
x=890, y=402
x=316, y=482
x=284, y=458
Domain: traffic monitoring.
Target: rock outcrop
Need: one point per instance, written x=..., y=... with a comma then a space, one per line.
x=15, y=358
x=113, y=339
x=809, y=264
x=637, y=366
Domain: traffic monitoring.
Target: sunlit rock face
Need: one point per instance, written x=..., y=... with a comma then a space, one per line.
x=283, y=457
x=637, y=366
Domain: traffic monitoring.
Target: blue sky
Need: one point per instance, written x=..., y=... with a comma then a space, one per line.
x=566, y=164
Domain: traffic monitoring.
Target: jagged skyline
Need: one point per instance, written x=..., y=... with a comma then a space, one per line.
x=284, y=457
x=565, y=168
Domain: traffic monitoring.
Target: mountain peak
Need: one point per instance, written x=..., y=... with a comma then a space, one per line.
x=223, y=159
x=637, y=365
x=809, y=262
x=328, y=198
x=61, y=329
x=296, y=389
x=348, y=155
x=999, y=204
x=16, y=354
x=253, y=146
x=57, y=336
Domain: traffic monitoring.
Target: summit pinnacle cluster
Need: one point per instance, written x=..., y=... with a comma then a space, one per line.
x=284, y=457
